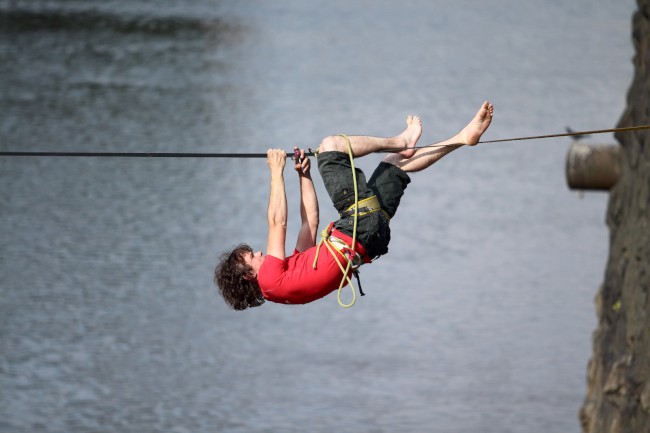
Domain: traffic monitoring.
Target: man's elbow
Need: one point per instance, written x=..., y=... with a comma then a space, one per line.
x=277, y=221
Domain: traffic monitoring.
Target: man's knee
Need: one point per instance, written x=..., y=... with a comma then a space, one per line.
x=332, y=143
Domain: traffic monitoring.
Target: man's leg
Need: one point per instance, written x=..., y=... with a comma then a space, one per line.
x=425, y=157
x=362, y=145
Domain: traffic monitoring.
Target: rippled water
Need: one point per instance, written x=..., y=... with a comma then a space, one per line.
x=479, y=319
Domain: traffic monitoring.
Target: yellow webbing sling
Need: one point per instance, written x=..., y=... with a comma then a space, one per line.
x=325, y=238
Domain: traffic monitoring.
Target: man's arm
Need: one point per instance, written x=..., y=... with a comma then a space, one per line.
x=277, y=211
x=309, y=212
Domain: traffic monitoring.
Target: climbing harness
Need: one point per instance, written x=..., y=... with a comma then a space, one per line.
x=335, y=245
x=348, y=260
x=290, y=154
x=365, y=206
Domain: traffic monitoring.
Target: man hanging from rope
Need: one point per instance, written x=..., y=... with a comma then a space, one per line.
x=246, y=278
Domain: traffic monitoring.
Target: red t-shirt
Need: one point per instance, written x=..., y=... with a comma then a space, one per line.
x=294, y=279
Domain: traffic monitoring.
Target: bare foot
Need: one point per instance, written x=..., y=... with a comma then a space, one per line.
x=411, y=135
x=471, y=134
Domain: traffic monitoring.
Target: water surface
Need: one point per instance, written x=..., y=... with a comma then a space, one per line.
x=480, y=317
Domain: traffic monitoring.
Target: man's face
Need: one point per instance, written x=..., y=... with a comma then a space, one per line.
x=254, y=260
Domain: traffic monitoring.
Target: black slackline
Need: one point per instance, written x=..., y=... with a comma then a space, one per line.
x=143, y=154
x=291, y=154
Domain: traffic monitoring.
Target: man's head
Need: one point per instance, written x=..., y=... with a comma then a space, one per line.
x=236, y=277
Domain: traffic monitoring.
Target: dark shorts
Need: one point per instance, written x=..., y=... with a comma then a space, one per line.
x=388, y=183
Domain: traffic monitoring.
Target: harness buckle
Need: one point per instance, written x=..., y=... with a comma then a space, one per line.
x=364, y=207
x=353, y=256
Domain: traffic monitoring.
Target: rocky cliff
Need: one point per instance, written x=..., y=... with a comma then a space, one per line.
x=618, y=394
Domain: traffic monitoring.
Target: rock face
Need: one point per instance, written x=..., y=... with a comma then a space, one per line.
x=618, y=394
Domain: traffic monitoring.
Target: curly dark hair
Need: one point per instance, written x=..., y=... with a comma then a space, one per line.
x=229, y=274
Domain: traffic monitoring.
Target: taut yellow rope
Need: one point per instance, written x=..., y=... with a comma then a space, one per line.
x=325, y=238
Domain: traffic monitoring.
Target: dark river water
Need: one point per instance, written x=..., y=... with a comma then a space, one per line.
x=478, y=320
